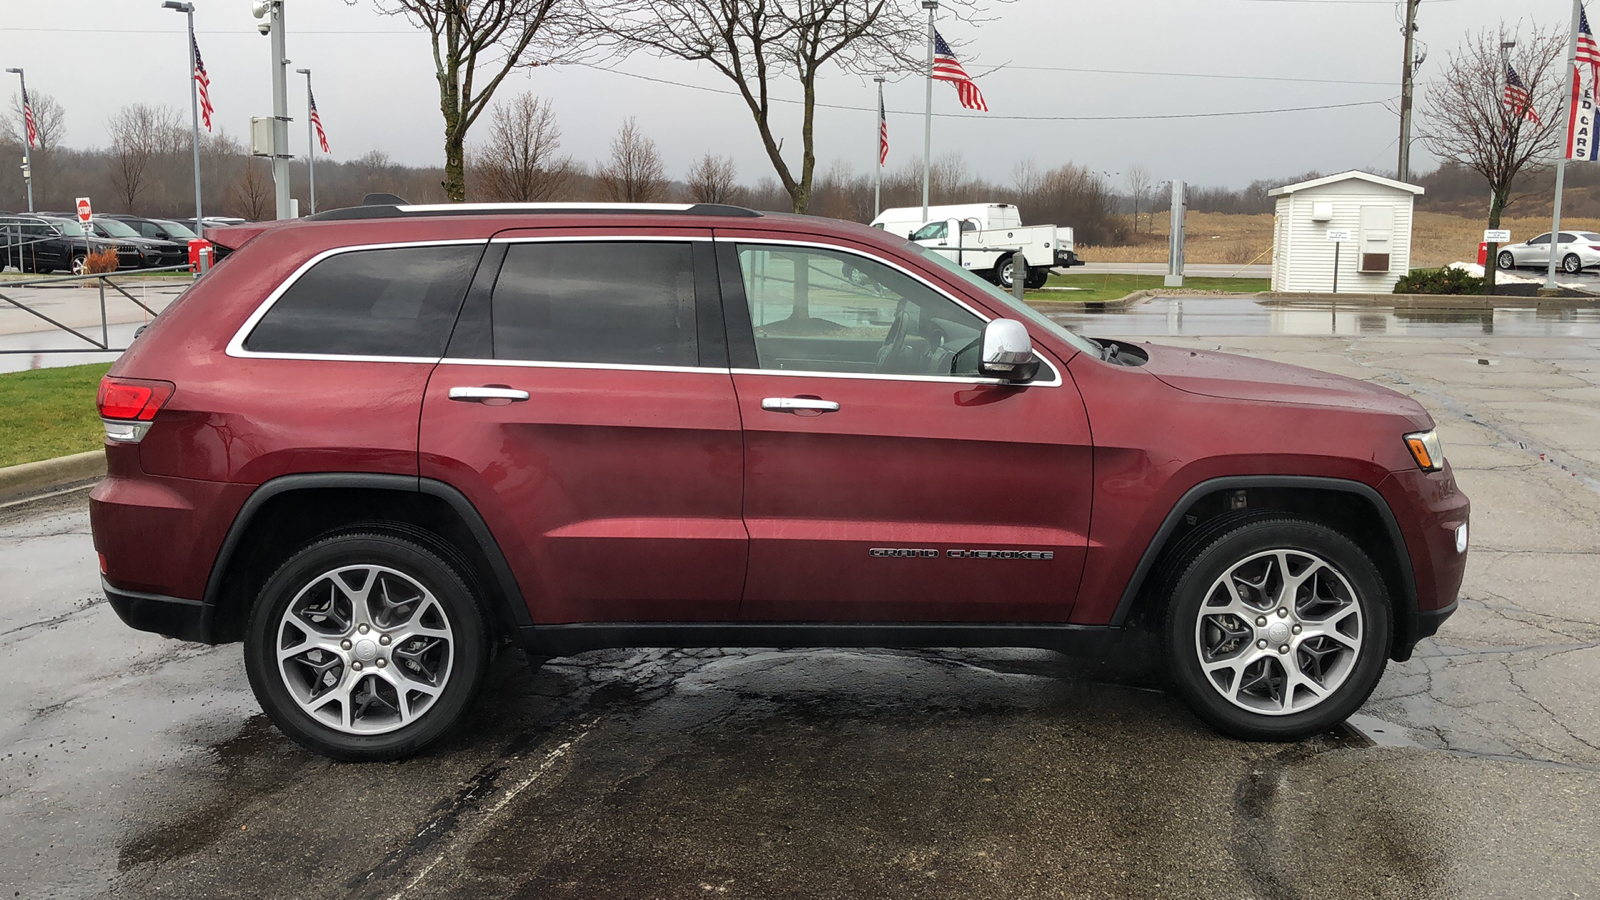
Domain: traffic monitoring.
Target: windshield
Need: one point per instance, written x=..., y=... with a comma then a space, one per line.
x=68, y=228
x=115, y=228
x=1022, y=310
x=174, y=230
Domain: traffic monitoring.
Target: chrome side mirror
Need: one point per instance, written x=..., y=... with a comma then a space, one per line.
x=1008, y=352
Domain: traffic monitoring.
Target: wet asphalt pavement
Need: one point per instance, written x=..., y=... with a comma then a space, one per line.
x=133, y=766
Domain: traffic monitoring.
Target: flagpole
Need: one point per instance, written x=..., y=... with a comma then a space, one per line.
x=927, y=126
x=27, y=140
x=1561, y=160
x=311, y=142
x=877, y=147
x=194, y=110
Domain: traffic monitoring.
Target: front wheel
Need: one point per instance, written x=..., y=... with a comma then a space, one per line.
x=365, y=646
x=1571, y=264
x=1004, y=270
x=1507, y=261
x=80, y=264
x=1277, y=630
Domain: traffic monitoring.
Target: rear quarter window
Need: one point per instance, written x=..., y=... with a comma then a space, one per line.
x=399, y=301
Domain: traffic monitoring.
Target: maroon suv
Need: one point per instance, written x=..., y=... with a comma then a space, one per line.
x=375, y=442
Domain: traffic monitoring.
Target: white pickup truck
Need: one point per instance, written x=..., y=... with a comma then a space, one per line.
x=986, y=238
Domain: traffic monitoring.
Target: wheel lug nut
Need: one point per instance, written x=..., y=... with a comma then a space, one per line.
x=356, y=666
x=1284, y=649
x=384, y=639
x=1262, y=644
x=363, y=629
x=1261, y=621
x=382, y=662
x=1281, y=613
x=1296, y=629
x=345, y=644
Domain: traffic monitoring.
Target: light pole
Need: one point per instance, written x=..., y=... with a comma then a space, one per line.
x=194, y=110
x=311, y=142
x=931, y=6
x=271, y=12
x=27, y=145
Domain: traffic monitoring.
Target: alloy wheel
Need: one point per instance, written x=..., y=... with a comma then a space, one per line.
x=365, y=649
x=1279, y=632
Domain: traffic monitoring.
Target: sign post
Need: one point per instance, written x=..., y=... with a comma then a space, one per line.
x=1336, y=238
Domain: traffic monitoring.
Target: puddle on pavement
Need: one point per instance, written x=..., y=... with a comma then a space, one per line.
x=1235, y=316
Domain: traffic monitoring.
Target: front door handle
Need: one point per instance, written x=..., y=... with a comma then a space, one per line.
x=798, y=404
x=480, y=394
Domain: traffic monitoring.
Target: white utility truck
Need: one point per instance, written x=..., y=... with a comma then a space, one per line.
x=986, y=238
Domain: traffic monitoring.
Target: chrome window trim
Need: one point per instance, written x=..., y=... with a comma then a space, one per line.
x=603, y=238
x=236, y=347
x=1050, y=364
x=619, y=367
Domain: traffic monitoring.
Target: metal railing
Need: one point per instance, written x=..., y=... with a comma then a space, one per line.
x=103, y=345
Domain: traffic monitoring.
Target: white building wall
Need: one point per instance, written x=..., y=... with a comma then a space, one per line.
x=1307, y=257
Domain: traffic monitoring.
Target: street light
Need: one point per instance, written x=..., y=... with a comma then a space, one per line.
x=27, y=145
x=311, y=142
x=271, y=14
x=194, y=110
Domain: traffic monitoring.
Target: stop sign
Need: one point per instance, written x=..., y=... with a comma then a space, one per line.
x=83, y=210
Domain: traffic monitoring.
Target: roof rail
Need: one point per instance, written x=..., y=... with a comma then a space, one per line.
x=395, y=211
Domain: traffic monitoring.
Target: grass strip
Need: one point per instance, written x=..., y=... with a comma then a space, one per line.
x=1094, y=288
x=45, y=413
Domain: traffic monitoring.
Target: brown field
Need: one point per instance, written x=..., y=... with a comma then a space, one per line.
x=1438, y=239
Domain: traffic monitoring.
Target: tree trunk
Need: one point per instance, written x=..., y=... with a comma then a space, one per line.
x=455, y=178
x=1497, y=205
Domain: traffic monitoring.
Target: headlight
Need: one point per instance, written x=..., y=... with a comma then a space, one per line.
x=1425, y=449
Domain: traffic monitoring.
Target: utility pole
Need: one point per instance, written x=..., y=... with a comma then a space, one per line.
x=194, y=110
x=271, y=11
x=1406, y=90
x=927, y=125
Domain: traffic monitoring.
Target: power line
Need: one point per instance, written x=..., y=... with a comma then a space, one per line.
x=995, y=118
x=1193, y=74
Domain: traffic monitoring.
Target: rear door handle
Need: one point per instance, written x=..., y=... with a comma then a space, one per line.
x=798, y=404
x=479, y=394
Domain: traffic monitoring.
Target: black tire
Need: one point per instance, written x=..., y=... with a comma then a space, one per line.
x=1353, y=671
x=1003, y=270
x=1037, y=278
x=1571, y=264
x=78, y=265
x=1506, y=260
x=406, y=564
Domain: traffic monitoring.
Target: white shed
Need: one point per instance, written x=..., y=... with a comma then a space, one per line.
x=1375, y=211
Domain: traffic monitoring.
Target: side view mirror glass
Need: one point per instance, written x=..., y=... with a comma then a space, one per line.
x=1008, y=352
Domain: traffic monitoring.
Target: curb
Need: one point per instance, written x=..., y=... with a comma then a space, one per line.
x=1432, y=301
x=1132, y=299
x=20, y=482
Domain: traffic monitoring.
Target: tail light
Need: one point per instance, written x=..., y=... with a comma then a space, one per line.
x=128, y=405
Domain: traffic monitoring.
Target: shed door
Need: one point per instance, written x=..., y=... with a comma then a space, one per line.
x=1377, y=237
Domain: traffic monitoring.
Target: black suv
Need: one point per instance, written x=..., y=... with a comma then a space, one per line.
x=153, y=252
x=160, y=229
x=45, y=244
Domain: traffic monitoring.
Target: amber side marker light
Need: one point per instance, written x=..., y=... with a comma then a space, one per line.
x=1425, y=449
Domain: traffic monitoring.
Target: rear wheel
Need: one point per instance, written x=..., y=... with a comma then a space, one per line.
x=1278, y=629
x=1037, y=278
x=1004, y=270
x=366, y=646
x=1571, y=264
x=1507, y=261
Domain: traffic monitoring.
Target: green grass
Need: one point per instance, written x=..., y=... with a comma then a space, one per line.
x=45, y=413
x=1114, y=287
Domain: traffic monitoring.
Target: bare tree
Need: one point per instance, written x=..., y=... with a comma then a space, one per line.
x=714, y=180
x=1137, y=180
x=253, y=193
x=141, y=136
x=634, y=173
x=753, y=43
x=49, y=121
x=476, y=43
x=519, y=163
x=1470, y=123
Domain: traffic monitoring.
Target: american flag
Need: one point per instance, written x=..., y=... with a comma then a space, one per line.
x=1588, y=50
x=205, y=83
x=316, y=120
x=27, y=117
x=1517, y=97
x=947, y=68
x=883, y=133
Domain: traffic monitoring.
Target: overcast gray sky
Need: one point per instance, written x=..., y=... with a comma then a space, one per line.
x=375, y=88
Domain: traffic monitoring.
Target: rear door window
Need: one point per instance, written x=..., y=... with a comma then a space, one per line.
x=602, y=302
x=397, y=302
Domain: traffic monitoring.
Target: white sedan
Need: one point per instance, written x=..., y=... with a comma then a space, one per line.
x=1577, y=251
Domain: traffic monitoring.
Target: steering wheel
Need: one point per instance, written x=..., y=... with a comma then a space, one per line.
x=895, y=341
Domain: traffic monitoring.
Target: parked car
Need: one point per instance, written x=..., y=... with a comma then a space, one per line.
x=986, y=238
x=1578, y=250
x=160, y=229
x=379, y=441
x=153, y=252
x=212, y=222
x=44, y=244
